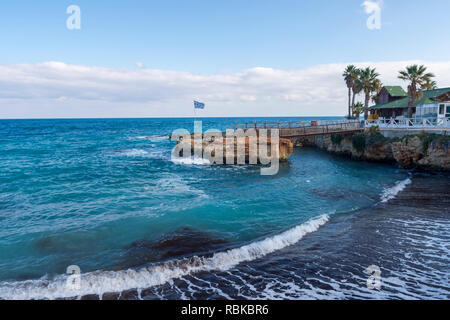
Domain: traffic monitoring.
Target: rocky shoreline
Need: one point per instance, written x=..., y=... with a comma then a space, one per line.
x=423, y=151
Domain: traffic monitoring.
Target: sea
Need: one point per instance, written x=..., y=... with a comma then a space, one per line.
x=98, y=209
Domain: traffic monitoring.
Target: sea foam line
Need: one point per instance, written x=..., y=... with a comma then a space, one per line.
x=391, y=193
x=153, y=138
x=190, y=161
x=101, y=282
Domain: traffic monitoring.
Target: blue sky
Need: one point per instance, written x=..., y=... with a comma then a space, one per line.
x=212, y=37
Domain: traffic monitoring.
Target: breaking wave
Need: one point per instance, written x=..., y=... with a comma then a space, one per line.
x=391, y=193
x=101, y=282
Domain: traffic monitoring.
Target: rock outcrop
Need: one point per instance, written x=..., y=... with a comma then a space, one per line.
x=240, y=150
x=421, y=151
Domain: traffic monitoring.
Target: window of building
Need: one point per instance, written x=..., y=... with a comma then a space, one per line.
x=429, y=111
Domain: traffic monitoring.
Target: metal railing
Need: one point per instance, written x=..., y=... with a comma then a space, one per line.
x=290, y=129
x=295, y=124
x=409, y=123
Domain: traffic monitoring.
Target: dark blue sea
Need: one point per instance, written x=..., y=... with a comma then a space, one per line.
x=104, y=195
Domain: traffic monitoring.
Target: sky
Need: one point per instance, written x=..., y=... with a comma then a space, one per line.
x=141, y=58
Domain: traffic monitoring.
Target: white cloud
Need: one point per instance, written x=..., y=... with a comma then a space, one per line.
x=55, y=89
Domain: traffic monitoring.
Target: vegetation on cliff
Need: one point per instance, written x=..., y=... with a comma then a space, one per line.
x=423, y=150
x=434, y=140
x=336, y=138
x=359, y=141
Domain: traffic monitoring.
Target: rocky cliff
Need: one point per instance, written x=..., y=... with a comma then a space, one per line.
x=421, y=151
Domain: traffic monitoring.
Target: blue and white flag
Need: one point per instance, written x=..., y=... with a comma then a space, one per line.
x=199, y=105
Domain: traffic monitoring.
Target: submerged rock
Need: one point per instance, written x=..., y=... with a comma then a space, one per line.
x=180, y=243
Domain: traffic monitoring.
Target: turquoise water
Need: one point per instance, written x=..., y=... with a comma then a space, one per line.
x=88, y=192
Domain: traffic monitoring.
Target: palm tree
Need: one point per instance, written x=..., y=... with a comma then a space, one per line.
x=369, y=82
x=358, y=109
x=350, y=76
x=376, y=96
x=429, y=85
x=417, y=77
x=357, y=88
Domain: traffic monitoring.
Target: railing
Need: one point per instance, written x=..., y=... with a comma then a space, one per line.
x=295, y=124
x=410, y=123
x=290, y=129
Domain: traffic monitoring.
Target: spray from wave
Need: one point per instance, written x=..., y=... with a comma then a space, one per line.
x=101, y=282
x=190, y=161
x=391, y=193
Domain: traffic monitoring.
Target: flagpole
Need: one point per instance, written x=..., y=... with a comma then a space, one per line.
x=197, y=105
x=195, y=112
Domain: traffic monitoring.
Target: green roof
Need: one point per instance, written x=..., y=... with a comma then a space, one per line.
x=396, y=91
x=429, y=96
x=426, y=101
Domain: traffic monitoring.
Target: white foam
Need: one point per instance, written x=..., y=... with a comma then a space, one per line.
x=391, y=193
x=190, y=161
x=133, y=153
x=176, y=185
x=153, y=138
x=101, y=282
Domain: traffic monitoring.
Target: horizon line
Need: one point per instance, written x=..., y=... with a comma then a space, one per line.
x=210, y=117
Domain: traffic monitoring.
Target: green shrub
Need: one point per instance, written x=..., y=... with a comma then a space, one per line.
x=359, y=141
x=373, y=130
x=377, y=137
x=336, y=138
x=427, y=139
x=433, y=139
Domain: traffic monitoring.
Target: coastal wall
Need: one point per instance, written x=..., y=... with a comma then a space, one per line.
x=421, y=151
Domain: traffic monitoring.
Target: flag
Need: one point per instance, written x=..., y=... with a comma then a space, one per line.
x=199, y=105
